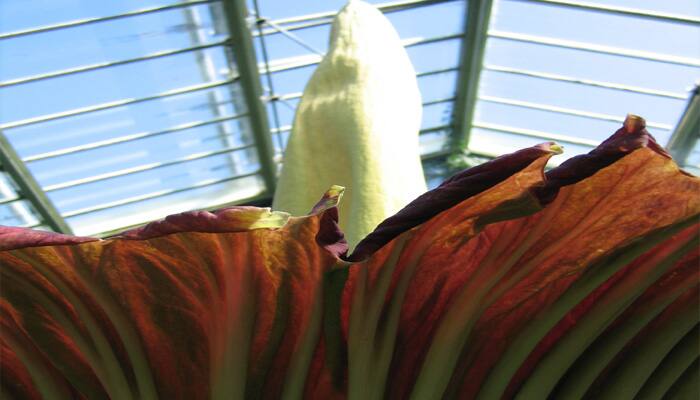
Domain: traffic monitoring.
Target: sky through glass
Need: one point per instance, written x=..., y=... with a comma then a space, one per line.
x=123, y=159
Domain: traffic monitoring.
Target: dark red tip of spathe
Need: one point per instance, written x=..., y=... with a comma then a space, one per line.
x=630, y=137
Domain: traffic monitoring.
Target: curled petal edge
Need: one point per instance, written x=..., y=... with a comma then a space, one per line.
x=453, y=191
x=226, y=220
x=12, y=238
x=630, y=137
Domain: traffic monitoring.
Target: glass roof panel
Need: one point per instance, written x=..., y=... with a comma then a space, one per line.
x=595, y=27
x=693, y=161
x=144, y=116
x=586, y=65
x=281, y=9
x=582, y=97
x=8, y=189
x=432, y=56
x=18, y=213
x=106, y=41
x=494, y=142
x=14, y=210
x=130, y=81
x=155, y=204
x=438, y=19
x=18, y=15
x=436, y=114
x=156, y=123
x=575, y=127
x=682, y=7
x=126, y=123
x=553, y=75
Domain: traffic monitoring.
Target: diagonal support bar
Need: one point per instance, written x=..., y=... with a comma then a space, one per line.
x=246, y=62
x=476, y=24
x=687, y=131
x=29, y=187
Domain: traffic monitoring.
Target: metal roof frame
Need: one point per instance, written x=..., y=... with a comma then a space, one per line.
x=241, y=47
x=29, y=188
x=244, y=53
x=244, y=25
x=476, y=25
x=687, y=131
x=477, y=31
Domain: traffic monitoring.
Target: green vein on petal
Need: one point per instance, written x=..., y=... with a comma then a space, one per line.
x=525, y=342
x=560, y=358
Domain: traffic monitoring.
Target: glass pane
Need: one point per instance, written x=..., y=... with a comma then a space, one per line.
x=290, y=81
x=576, y=127
x=433, y=141
x=571, y=80
x=592, y=66
x=610, y=29
x=14, y=211
x=434, y=56
x=581, y=97
x=8, y=190
x=692, y=163
x=149, y=210
x=26, y=14
x=18, y=213
x=279, y=46
x=436, y=171
x=437, y=87
x=147, y=155
x=444, y=13
x=133, y=120
x=682, y=7
x=134, y=154
x=131, y=81
x=285, y=112
x=437, y=114
x=272, y=9
x=493, y=143
x=427, y=22
x=154, y=180
x=106, y=41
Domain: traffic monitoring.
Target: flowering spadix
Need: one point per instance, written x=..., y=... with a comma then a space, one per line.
x=356, y=126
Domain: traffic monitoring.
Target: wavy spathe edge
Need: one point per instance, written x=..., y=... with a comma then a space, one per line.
x=12, y=237
x=225, y=220
x=463, y=185
x=630, y=137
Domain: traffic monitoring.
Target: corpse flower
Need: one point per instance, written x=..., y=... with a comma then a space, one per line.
x=503, y=282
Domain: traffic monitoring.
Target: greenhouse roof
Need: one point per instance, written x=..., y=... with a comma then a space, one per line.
x=116, y=113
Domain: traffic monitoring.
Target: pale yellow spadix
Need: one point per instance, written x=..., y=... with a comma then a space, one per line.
x=356, y=126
